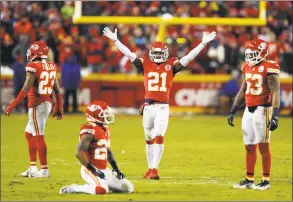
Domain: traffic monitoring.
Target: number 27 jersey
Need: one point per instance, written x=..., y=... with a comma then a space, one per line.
x=42, y=88
x=158, y=78
x=257, y=90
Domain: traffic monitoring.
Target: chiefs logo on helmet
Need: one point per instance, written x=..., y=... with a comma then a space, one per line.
x=99, y=112
x=38, y=49
x=256, y=51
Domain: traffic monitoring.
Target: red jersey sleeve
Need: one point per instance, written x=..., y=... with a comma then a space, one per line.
x=86, y=129
x=272, y=67
x=31, y=67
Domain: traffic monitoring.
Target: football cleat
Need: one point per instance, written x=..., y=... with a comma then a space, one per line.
x=31, y=171
x=68, y=189
x=263, y=185
x=154, y=174
x=148, y=173
x=244, y=184
x=43, y=173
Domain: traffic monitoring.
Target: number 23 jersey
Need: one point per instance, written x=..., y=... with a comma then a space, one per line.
x=257, y=90
x=97, y=152
x=158, y=78
x=42, y=88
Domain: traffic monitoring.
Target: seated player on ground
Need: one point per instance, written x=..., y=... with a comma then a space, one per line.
x=94, y=151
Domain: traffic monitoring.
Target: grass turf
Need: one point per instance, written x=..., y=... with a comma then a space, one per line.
x=203, y=157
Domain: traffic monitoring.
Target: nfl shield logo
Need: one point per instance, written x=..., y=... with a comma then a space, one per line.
x=168, y=67
x=260, y=69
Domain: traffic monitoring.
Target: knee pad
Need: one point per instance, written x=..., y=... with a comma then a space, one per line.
x=250, y=148
x=101, y=190
x=159, y=139
x=152, y=141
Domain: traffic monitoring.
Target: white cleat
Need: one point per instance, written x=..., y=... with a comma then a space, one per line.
x=31, y=171
x=264, y=185
x=43, y=173
x=67, y=189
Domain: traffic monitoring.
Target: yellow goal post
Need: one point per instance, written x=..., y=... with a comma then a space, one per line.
x=163, y=21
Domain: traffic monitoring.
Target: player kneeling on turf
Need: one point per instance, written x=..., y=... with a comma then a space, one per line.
x=93, y=152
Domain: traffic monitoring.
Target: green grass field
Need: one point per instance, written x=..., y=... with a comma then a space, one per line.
x=203, y=157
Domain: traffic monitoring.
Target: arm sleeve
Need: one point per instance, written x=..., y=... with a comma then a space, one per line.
x=132, y=56
x=138, y=63
x=191, y=55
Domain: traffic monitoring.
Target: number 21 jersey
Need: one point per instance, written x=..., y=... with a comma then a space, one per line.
x=158, y=78
x=257, y=90
x=42, y=88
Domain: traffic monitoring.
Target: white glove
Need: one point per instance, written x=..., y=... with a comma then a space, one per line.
x=111, y=35
x=206, y=38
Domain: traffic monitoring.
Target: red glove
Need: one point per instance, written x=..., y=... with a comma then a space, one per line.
x=20, y=97
x=142, y=108
x=58, y=109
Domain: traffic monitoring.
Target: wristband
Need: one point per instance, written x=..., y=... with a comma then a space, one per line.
x=275, y=112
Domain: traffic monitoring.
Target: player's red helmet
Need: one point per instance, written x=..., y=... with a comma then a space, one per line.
x=256, y=51
x=99, y=112
x=38, y=49
x=159, y=52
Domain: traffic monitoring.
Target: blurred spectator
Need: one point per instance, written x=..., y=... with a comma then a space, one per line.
x=229, y=91
x=71, y=77
x=216, y=55
x=287, y=59
x=67, y=10
x=19, y=51
x=19, y=75
x=7, y=46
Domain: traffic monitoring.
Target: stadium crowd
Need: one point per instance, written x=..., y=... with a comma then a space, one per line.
x=24, y=22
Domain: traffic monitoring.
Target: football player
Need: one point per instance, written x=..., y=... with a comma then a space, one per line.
x=159, y=71
x=261, y=91
x=94, y=151
x=39, y=84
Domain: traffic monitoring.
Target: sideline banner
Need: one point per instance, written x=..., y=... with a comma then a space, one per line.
x=188, y=91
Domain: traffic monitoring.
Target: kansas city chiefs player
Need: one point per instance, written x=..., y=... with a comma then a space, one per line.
x=94, y=151
x=159, y=71
x=261, y=91
x=39, y=84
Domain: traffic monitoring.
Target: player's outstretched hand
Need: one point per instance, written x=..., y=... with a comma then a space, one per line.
x=273, y=124
x=120, y=175
x=230, y=119
x=58, y=113
x=8, y=110
x=206, y=38
x=111, y=35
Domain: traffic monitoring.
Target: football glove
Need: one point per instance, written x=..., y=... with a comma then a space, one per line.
x=230, y=119
x=273, y=124
x=120, y=175
x=111, y=35
x=206, y=38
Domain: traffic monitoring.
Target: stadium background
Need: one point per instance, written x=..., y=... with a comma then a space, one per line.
x=76, y=28
x=207, y=86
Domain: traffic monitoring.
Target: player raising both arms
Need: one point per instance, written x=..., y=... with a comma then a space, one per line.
x=94, y=151
x=159, y=71
x=39, y=84
x=261, y=91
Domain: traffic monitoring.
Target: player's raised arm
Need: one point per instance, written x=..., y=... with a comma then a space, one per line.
x=132, y=56
x=30, y=79
x=274, y=86
x=82, y=147
x=194, y=52
x=58, y=109
x=238, y=102
x=111, y=160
